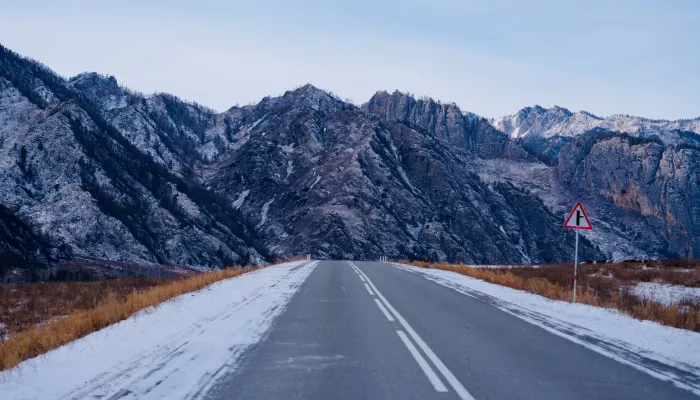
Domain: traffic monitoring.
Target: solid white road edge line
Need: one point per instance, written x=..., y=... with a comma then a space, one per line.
x=369, y=290
x=427, y=370
x=384, y=311
x=449, y=376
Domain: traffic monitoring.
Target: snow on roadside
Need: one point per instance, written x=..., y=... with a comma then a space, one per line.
x=665, y=293
x=175, y=350
x=667, y=353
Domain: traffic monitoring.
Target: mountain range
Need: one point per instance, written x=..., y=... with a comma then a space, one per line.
x=91, y=170
x=558, y=121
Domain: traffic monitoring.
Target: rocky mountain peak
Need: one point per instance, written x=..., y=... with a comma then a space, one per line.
x=93, y=79
x=306, y=90
x=560, y=110
x=552, y=112
x=309, y=96
x=444, y=120
x=401, y=105
x=103, y=90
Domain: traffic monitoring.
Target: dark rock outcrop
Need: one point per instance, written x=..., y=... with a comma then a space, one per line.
x=22, y=248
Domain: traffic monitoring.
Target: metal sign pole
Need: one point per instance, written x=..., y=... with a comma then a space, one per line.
x=575, y=266
x=577, y=219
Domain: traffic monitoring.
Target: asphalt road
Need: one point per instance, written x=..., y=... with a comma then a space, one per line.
x=361, y=330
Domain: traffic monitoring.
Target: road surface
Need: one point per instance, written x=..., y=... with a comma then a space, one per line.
x=362, y=330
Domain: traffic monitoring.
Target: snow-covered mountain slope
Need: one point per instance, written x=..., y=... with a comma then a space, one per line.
x=75, y=179
x=558, y=121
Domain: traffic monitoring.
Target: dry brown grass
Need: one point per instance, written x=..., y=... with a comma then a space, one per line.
x=556, y=283
x=116, y=307
x=26, y=305
x=282, y=260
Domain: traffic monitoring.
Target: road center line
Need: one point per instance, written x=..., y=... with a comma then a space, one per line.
x=384, y=311
x=449, y=376
x=357, y=271
x=369, y=290
x=427, y=370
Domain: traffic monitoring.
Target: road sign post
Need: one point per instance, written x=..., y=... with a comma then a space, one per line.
x=575, y=266
x=577, y=220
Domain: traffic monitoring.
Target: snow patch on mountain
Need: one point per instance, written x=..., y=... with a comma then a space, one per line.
x=263, y=213
x=318, y=178
x=239, y=201
x=290, y=168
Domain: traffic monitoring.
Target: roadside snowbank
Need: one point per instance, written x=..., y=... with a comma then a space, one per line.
x=667, y=353
x=175, y=350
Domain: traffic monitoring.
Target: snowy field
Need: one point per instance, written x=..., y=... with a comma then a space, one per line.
x=667, y=353
x=175, y=350
x=664, y=293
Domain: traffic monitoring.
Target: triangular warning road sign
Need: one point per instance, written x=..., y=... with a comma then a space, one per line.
x=578, y=219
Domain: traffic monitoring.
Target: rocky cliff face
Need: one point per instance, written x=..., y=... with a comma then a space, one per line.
x=659, y=184
x=445, y=121
x=645, y=201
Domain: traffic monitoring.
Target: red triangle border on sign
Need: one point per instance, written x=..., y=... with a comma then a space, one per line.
x=571, y=214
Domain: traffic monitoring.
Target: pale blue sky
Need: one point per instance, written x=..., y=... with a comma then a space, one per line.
x=638, y=57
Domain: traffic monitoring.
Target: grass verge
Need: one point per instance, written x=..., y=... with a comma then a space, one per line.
x=37, y=340
x=594, y=291
x=25, y=305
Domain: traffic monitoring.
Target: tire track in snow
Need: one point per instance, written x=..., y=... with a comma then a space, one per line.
x=172, y=369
